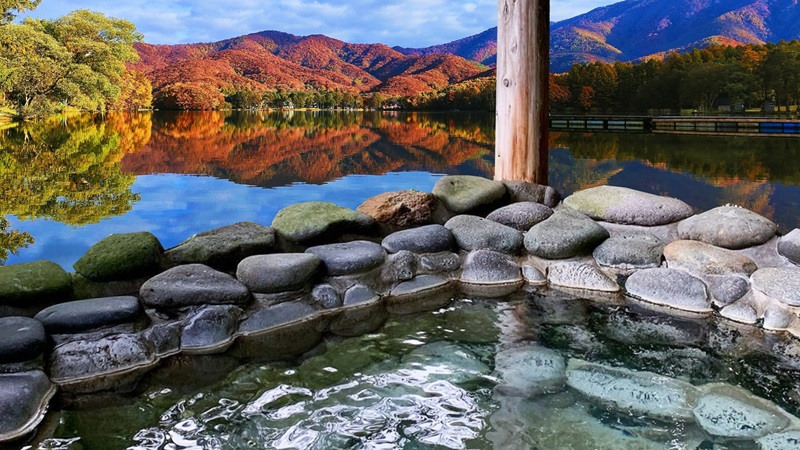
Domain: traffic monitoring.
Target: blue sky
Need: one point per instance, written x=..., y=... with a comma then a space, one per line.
x=409, y=23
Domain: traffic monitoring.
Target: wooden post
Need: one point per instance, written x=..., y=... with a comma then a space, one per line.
x=523, y=66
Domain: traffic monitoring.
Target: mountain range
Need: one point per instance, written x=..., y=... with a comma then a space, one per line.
x=626, y=31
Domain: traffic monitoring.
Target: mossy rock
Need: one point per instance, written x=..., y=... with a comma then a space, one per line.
x=34, y=282
x=311, y=221
x=467, y=194
x=121, y=257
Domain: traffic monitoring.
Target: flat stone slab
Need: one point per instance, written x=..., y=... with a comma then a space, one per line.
x=637, y=393
x=308, y=221
x=23, y=339
x=193, y=285
x=524, y=191
x=84, y=315
x=476, y=233
x=789, y=246
x=419, y=286
x=223, y=248
x=780, y=284
x=627, y=206
x=24, y=398
x=121, y=257
x=462, y=194
x=212, y=327
x=730, y=412
x=277, y=316
x=669, y=287
x=281, y=272
x=490, y=267
x=780, y=441
x=530, y=370
x=630, y=251
x=349, y=258
x=84, y=359
x=578, y=275
x=359, y=295
x=564, y=235
x=521, y=216
x=424, y=239
x=701, y=258
x=408, y=208
x=33, y=282
x=728, y=227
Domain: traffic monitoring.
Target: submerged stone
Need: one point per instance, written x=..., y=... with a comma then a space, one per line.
x=85, y=315
x=564, y=235
x=701, y=258
x=578, y=275
x=211, y=327
x=640, y=329
x=23, y=339
x=630, y=251
x=406, y=208
x=309, y=221
x=24, y=398
x=521, y=216
x=223, y=248
x=121, y=257
x=192, y=285
x=627, y=206
x=779, y=284
x=730, y=412
x=464, y=194
x=530, y=370
x=425, y=239
x=444, y=361
x=281, y=272
x=729, y=227
x=349, y=258
x=780, y=441
x=669, y=287
x=490, y=267
x=475, y=233
x=33, y=283
x=524, y=191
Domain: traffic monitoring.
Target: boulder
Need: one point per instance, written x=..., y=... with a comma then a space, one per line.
x=33, y=283
x=23, y=339
x=86, y=359
x=403, y=209
x=121, y=257
x=530, y=370
x=400, y=266
x=424, y=239
x=193, y=285
x=789, y=246
x=314, y=221
x=779, y=284
x=701, y=258
x=165, y=338
x=524, y=191
x=521, y=216
x=280, y=272
x=210, y=328
x=564, y=235
x=277, y=316
x=86, y=315
x=490, y=267
x=729, y=227
x=732, y=413
x=475, y=233
x=578, y=275
x=669, y=287
x=223, y=248
x=465, y=194
x=24, y=398
x=630, y=251
x=627, y=206
x=349, y=258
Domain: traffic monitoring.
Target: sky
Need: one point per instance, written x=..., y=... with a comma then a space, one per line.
x=408, y=23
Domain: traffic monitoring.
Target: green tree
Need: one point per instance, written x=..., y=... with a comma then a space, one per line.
x=11, y=240
x=9, y=7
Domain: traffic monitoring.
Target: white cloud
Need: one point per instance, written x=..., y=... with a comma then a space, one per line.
x=409, y=23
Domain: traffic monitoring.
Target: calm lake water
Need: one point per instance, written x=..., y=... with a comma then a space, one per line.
x=71, y=183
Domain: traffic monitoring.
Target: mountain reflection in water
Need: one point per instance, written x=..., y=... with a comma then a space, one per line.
x=71, y=182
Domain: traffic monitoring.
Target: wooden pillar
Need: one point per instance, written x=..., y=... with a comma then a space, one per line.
x=523, y=66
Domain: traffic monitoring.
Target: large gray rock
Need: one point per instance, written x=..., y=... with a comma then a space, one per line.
x=277, y=316
x=733, y=413
x=727, y=288
x=400, y=266
x=530, y=370
x=121, y=257
x=407, y=208
x=281, y=272
x=578, y=275
x=425, y=239
x=636, y=393
x=669, y=287
x=490, y=267
x=564, y=235
x=33, y=283
x=349, y=258
x=701, y=258
x=223, y=248
x=789, y=246
x=85, y=359
x=23, y=339
x=524, y=191
x=475, y=233
x=24, y=397
x=312, y=221
x=85, y=315
x=521, y=216
x=192, y=285
x=464, y=194
x=728, y=227
x=210, y=328
x=779, y=284
x=627, y=206
x=630, y=251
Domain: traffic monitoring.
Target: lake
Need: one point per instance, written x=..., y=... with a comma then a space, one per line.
x=70, y=183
